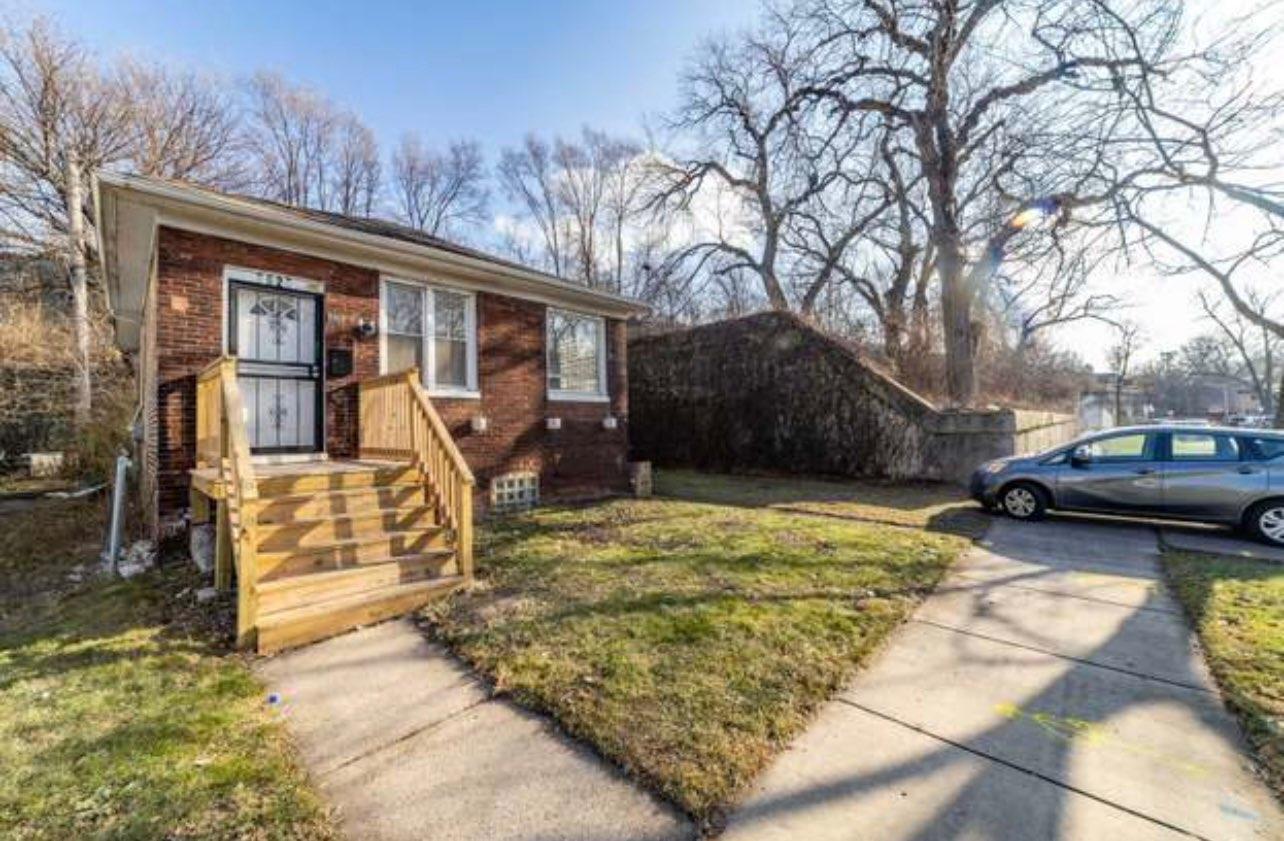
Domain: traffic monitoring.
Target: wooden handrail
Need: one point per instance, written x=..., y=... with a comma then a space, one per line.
x=223, y=443
x=398, y=421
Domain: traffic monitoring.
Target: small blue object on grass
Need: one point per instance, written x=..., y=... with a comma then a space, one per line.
x=274, y=699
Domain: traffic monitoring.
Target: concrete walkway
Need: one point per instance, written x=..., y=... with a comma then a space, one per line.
x=408, y=745
x=1049, y=689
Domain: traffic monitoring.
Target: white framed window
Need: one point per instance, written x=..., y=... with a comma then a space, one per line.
x=576, y=356
x=432, y=328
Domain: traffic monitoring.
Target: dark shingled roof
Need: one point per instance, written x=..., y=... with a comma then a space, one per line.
x=377, y=227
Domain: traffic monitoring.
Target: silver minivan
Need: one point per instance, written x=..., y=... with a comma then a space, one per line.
x=1231, y=476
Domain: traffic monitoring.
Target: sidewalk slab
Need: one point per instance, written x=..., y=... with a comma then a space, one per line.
x=854, y=775
x=1170, y=753
x=499, y=773
x=1002, y=711
x=360, y=692
x=1156, y=643
x=406, y=744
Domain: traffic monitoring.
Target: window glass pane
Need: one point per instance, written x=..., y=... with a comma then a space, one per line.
x=450, y=339
x=1190, y=446
x=1268, y=448
x=450, y=315
x=452, y=363
x=574, y=353
x=1119, y=447
x=404, y=352
x=405, y=308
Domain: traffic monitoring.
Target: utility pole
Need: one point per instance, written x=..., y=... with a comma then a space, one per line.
x=79, y=289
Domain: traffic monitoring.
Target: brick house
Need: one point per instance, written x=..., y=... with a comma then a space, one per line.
x=526, y=372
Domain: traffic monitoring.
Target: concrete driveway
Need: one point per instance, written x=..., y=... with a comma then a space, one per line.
x=1216, y=540
x=1050, y=689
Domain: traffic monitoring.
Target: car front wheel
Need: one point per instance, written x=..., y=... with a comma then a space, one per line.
x=1267, y=521
x=1024, y=501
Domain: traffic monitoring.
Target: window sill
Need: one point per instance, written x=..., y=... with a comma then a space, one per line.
x=446, y=394
x=573, y=397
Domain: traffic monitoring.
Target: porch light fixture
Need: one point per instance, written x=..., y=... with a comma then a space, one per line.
x=553, y=424
x=479, y=423
x=610, y=422
x=366, y=329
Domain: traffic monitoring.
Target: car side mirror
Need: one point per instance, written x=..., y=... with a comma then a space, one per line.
x=1081, y=456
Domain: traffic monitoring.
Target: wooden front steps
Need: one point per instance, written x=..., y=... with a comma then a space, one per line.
x=301, y=625
x=343, y=544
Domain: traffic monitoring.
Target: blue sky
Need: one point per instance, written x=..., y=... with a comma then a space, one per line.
x=489, y=70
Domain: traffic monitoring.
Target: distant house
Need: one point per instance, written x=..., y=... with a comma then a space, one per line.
x=273, y=345
x=1098, y=409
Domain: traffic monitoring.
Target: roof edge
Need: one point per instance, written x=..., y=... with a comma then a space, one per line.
x=175, y=197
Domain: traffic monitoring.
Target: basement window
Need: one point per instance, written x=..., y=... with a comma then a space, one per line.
x=514, y=492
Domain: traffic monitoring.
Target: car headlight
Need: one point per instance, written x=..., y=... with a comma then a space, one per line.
x=994, y=467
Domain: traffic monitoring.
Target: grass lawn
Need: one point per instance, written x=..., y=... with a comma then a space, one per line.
x=121, y=714
x=1237, y=606
x=689, y=642
x=936, y=505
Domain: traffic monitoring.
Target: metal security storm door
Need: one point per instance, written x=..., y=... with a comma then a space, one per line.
x=276, y=335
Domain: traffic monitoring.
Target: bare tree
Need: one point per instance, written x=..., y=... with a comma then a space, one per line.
x=528, y=176
x=745, y=109
x=1006, y=114
x=355, y=169
x=59, y=120
x=585, y=201
x=1205, y=203
x=1252, y=346
x=1128, y=339
x=439, y=192
x=54, y=102
x=182, y=126
x=306, y=151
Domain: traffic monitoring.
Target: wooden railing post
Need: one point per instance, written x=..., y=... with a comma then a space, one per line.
x=464, y=528
x=222, y=443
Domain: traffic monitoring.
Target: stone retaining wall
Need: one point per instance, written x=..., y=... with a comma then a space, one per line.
x=770, y=392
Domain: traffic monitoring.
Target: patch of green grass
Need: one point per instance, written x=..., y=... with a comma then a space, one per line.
x=1237, y=606
x=938, y=506
x=117, y=720
x=688, y=642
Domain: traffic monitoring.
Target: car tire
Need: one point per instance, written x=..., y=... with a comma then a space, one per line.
x=1023, y=501
x=1266, y=521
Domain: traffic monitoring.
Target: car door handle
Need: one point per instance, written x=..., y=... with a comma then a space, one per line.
x=1247, y=470
x=1144, y=471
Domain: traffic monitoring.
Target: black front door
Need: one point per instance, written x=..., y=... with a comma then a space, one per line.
x=276, y=335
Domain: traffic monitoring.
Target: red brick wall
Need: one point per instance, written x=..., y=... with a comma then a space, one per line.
x=581, y=458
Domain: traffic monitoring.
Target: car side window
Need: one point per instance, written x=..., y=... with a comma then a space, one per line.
x=1265, y=449
x=1137, y=446
x=1202, y=446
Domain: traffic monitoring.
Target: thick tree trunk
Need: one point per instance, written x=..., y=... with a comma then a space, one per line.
x=956, y=324
x=1279, y=406
x=79, y=291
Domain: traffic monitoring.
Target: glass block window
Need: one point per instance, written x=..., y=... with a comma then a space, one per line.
x=434, y=330
x=576, y=355
x=514, y=492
